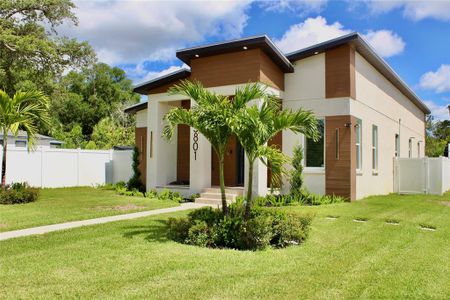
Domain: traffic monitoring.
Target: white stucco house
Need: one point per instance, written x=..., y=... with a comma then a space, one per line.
x=20, y=141
x=368, y=116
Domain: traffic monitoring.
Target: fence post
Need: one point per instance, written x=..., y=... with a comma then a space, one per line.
x=78, y=166
x=426, y=175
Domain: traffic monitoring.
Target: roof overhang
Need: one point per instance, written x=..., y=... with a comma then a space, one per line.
x=145, y=87
x=262, y=42
x=363, y=48
x=135, y=108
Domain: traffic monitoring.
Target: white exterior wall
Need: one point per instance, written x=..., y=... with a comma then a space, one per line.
x=39, y=143
x=67, y=167
x=379, y=103
x=141, y=118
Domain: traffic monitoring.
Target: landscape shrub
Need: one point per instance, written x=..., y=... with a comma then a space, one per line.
x=208, y=227
x=303, y=198
x=167, y=194
x=135, y=182
x=17, y=193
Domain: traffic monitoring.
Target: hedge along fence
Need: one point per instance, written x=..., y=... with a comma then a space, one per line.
x=49, y=167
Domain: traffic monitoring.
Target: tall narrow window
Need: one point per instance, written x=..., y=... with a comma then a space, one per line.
x=410, y=148
x=397, y=145
x=314, y=151
x=358, y=130
x=337, y=143
x=418, y=149
x=374, y=147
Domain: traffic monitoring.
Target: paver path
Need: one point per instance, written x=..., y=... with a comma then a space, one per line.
x=49, y=228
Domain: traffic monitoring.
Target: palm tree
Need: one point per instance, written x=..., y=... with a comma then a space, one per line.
x=255, y=125
x=26, y=111
x=210, y=116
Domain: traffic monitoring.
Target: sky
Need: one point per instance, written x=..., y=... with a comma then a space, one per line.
x=141, y=37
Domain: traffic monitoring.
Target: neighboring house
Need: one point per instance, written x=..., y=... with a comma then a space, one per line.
x=20, y=141
x=367, y=114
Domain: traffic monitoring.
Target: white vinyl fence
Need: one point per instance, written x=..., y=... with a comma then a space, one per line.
x=427, y=175
x=48, y=167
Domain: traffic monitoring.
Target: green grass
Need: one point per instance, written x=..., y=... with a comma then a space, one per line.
x=342, y=259
x=71, y=204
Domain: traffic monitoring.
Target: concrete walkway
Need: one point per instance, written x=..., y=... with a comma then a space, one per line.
x=62, y=226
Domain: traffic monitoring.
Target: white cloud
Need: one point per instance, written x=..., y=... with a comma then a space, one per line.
x=439, y=112
x=438, y=81
x=152, y=74
x=134, y=31
x=386, y=42
x=301, y=7
x=317, y=30
x=415, y=10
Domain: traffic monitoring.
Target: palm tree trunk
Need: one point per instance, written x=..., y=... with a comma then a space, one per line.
x=249, y=190
x=5, y=146
x=222, y=185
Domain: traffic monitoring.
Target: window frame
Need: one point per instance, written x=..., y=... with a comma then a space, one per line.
x=358, y=145
x=375, y=148
x=410, y=148
x=397, y=145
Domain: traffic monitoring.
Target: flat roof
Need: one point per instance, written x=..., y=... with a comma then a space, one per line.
x=370, y=55
x=283, y=61
x=261, y=42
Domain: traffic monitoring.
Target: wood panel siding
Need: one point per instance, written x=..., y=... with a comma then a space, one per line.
x=340, y=72
x=237, y=68
x=183, y=149
x=340, y=170
x=141, y=143
x=270, y=73
x=230, y=165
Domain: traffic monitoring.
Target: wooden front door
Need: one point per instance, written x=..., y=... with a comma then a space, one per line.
x=233, y=165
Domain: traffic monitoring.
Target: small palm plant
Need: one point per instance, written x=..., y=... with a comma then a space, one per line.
x=211, y=116
x=25, y=111
x=255, y=125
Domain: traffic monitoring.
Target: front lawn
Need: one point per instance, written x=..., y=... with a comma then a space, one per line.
x=342, y=259
x=72, y=204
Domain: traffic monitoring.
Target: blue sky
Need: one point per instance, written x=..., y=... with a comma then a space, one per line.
x=142, y=36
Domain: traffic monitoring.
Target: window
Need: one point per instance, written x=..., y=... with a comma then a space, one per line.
x=21, y=144
x=397, y=145
x=358, y=130
x=374, y=147
x=410, y=148
x=337, y=143
x=314, y=152
x=418, y=149
x=55, y=145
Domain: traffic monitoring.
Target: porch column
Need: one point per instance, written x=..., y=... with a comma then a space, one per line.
x=162, y=155
x=200, y=161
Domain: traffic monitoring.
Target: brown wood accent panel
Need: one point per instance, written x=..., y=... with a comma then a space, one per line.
x=165, y=88
x=230, y=164
x=278, y=142
x=183, y=149
x=271, y=73
x=340, y=173
x=228, y=68
x=340, y=72
x=141, y=143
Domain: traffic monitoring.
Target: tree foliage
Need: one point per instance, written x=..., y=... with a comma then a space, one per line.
x=93, y=94
x=23, y=111
x=32, y=55
x=296, y=176
x=438, y=137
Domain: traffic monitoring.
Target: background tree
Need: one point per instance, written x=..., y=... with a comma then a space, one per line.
x=437, y=138
x=256, y=124
x=24, y=111
x=30, y=55
x=88, y=96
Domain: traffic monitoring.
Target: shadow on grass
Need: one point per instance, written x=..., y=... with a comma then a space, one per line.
x=156, y=232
